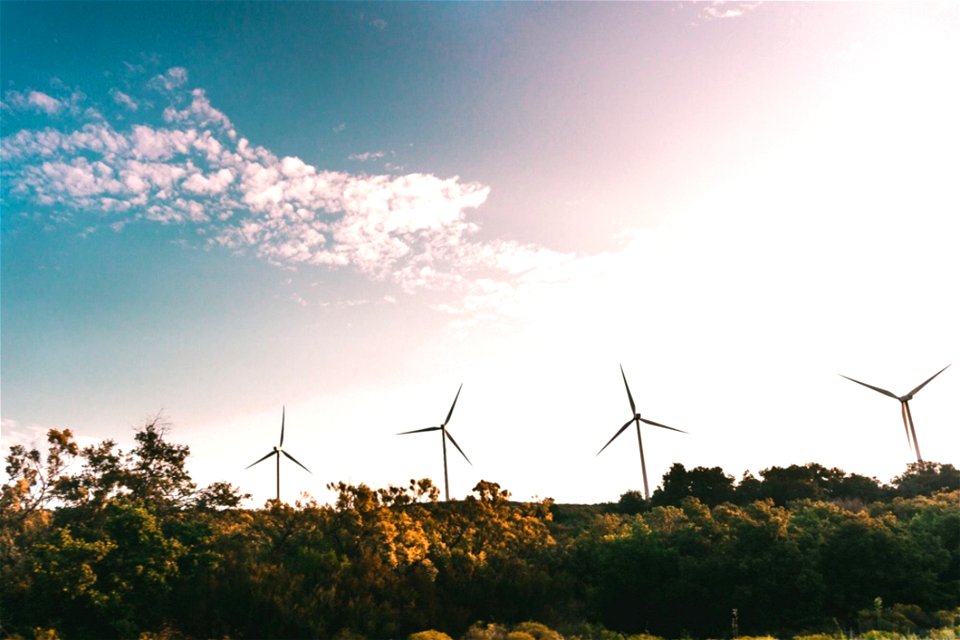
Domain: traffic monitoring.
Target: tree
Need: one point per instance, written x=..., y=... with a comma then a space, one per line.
x=711, y=486
x=157, y=468
x=632, y=502
x=811, y=481
x=25, y=520
x=926, y=478
x=31, y=480
x=858, y=487
x=748, y=489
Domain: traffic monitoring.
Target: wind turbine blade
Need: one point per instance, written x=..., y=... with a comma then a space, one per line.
x=913, y=430
x=403, y=433
x=633, y=407
x=447, y=433
x=297, y=461
x=906, y=424
x=870, y=386
x=283, y=422
x=657, y=424
x=260, y=460
x=622, y=429
x=910, y=395
x=452, y=406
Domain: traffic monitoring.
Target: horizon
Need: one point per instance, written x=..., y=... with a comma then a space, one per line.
x=343, y=212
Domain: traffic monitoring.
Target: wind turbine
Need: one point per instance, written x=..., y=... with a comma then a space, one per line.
x=444, y=435
x=637, y=420
x=277, y=450
x=904, y=407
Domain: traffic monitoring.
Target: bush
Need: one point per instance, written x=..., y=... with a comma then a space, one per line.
x=876, y=634
x=485, y=631
x=537, y=631
x=429, y=634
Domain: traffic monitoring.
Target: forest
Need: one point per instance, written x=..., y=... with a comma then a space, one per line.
x=98, y=542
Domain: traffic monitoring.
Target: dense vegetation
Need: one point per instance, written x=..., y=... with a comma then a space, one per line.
x=121, y=544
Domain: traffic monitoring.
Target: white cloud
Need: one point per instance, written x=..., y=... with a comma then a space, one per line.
x=174, y=78
x=80, y=177
x=44, y=103
x=161, y=144
x=98, y=138
x=214, y=183
x=124, y=100
x=367, y=156
x=32, y=100
x=200, y=113
x=721, y=10
x=157, y=175
x=209, y=145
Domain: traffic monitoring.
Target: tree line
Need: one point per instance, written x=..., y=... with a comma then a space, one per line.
x=98, y=542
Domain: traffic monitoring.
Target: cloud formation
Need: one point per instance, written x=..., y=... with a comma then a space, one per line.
x=367, y=156
x=722, y=10
x=33, y=100
x=124, y=100
x=183, y=162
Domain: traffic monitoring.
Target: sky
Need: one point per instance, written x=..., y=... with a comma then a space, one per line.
x=219, y=212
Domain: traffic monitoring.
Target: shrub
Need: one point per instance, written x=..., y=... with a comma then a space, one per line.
x=876, y=634
x=429, y=634
x=537, y=631
x=485, y=631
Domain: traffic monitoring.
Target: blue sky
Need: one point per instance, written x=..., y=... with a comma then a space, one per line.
x=349, y=209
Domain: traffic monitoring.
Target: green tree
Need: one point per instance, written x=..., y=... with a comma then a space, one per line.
x=711, y=486
x=926, y=478
x=811, y=481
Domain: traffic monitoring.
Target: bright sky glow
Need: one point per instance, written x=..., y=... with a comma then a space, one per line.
x=351, y=209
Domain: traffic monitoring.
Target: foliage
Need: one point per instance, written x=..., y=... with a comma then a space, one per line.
x=926, y=478
x=709, y=485
x=98, y=542
x=430, y=634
